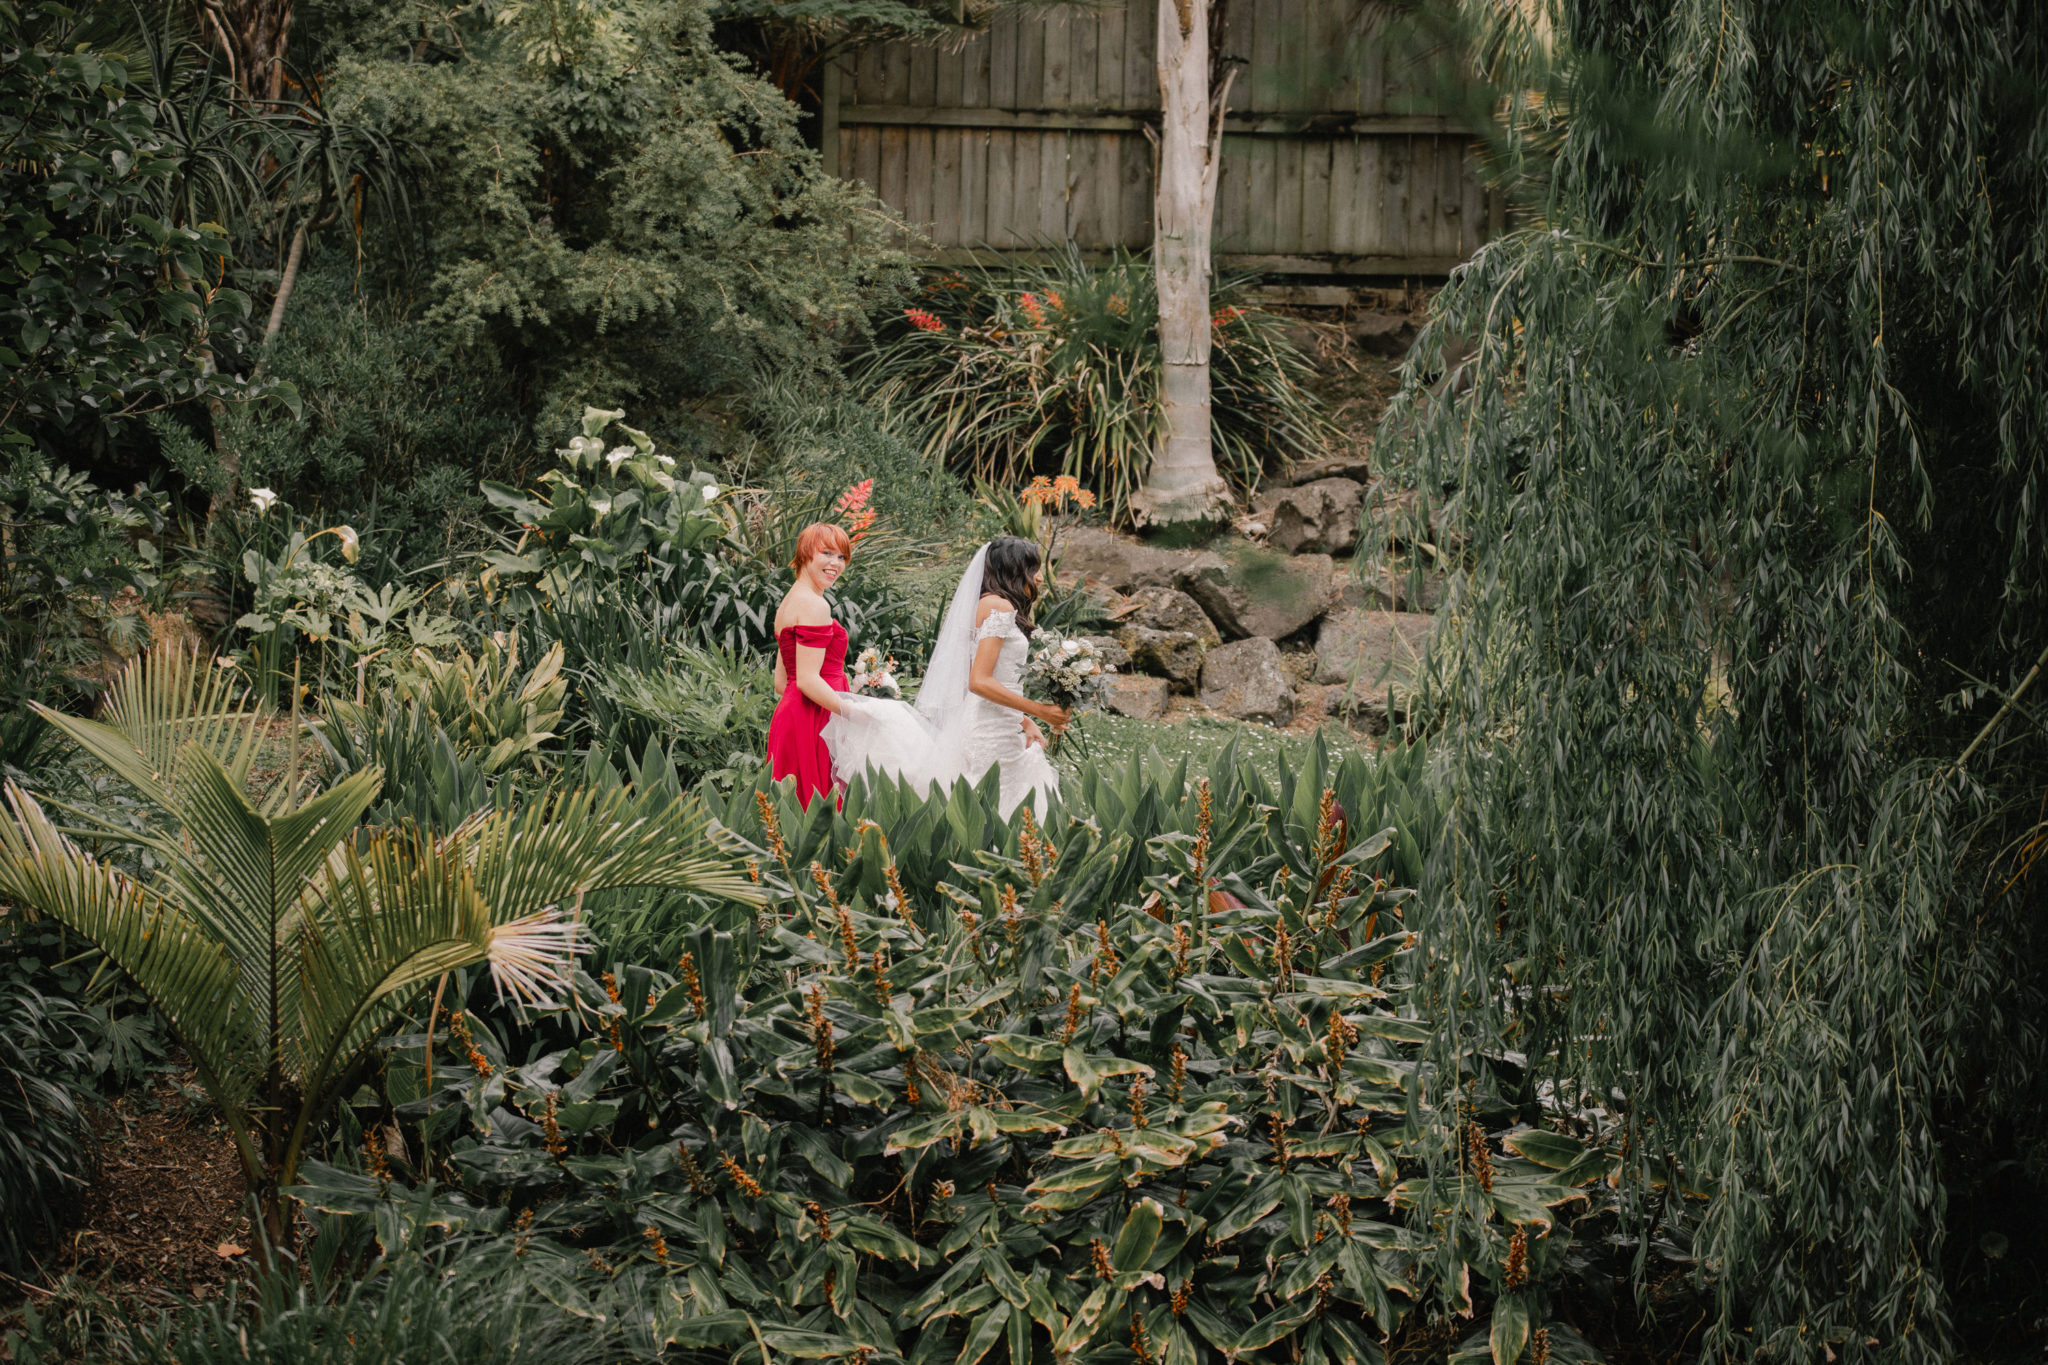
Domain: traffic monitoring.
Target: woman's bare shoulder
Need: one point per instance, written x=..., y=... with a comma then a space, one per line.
x=801, y=608
x=990, y=604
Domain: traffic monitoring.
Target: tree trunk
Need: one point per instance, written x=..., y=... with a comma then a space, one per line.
x=256, y=37
x=1183, y=485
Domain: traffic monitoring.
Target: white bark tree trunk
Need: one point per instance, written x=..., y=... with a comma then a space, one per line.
x=1183, y=484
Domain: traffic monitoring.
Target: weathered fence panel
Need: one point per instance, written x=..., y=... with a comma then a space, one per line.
x=1035, y=133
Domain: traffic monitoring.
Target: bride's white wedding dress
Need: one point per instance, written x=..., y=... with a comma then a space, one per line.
x=951, y=733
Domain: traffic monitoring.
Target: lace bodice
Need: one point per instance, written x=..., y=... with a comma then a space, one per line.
x=1002, y=625
x=995, y=734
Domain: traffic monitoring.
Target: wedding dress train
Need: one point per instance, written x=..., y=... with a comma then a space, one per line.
x=950, y=733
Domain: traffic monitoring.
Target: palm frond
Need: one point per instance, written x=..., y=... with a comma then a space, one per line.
x=163, y=701
x=554, y=851
x=183, y=970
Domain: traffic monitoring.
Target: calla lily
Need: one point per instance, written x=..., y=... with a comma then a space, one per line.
x=617, y=456
x=351, y=543
x=262, y=497
x=710, y=491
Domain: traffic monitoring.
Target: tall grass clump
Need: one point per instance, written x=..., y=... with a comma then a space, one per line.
x=1054, y=369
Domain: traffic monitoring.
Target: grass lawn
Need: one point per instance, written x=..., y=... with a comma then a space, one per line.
x=1113, y=739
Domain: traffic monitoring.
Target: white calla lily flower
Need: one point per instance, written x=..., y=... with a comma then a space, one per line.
x=263, y=498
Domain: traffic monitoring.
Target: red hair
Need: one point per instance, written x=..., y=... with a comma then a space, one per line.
x=818, y=538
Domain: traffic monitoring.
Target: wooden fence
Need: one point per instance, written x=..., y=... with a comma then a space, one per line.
x=1034, y=133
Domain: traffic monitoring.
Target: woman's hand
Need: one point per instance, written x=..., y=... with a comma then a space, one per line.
x=1034, y=738
x=1055, y=716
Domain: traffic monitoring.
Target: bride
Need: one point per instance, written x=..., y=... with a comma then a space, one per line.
x=970, y=714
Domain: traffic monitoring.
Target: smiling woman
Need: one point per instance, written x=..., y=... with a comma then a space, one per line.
x=810, y=663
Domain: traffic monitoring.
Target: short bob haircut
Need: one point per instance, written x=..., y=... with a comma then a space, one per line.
x=818, y=538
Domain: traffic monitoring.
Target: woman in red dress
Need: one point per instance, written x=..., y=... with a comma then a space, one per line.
x=810, y=664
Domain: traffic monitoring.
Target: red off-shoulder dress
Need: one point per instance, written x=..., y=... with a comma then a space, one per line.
x=796, y=745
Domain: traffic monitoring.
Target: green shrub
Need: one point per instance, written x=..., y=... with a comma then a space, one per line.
x=395, y=425
x=709, y=710
x=46, y=1146
x=833, y=439
x=404, y=1310
x=960, y=1090
x=622, y=554
x=1049, y=370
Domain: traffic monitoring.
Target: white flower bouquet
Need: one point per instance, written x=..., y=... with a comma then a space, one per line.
x=1068, y=673
x=874, y=675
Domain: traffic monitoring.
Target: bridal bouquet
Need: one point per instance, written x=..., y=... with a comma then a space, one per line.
x=1068, y=673
x=874, y=675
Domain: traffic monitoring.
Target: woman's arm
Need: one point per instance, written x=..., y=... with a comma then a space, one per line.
x=981, y=681
x=781, y=677
x=810, y=663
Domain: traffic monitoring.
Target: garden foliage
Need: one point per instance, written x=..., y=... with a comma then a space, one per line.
x=277, y=938
x=115, y=306
x=1745, y=444
x=1054, y=370
x=960, y=1093
x=616, y=209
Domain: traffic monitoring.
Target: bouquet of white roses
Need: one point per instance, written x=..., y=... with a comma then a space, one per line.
x=1068, y=673
x=874, y=675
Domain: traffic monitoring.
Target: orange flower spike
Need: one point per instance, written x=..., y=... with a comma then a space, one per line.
x=924, y=320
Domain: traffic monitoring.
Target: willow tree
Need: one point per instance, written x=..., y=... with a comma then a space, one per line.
x=1746, y=444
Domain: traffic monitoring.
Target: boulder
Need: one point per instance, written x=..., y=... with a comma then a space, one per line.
x=1386, y=334
x=1112, y=651
x=1389, y=588
x=1119, y=562
x=1262, y=594
x=1354, y=465
x=1175, y=655
x=1378, y=651
x=1168, y=609
x=1320, y=517
x=1245, y=680
x=1362, y=714
x=1136, y=697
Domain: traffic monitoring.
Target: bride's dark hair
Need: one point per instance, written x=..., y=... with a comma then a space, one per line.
x=1007, y=573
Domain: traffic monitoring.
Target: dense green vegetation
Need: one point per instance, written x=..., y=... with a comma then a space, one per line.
x=404, y=443
x=1747, y=444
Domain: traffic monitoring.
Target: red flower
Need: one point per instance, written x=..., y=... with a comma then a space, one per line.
x=1032, y=310
x=923, y=320
x=856, y=497
x=853, y=504
x=1227, y=316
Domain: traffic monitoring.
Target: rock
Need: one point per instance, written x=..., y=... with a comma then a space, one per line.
x=1168, y=609
x=1387, y=334
x=1113, y=653
x=1320, y=517
x=1262, y=594
x=1245, y=680
x=1378, y=651
x=1175, y=655
x=1400, y=513
x=1389, y=589
x=1363, y=713
x=1122, y=563
x=1355, y=466
x=1136, y=697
